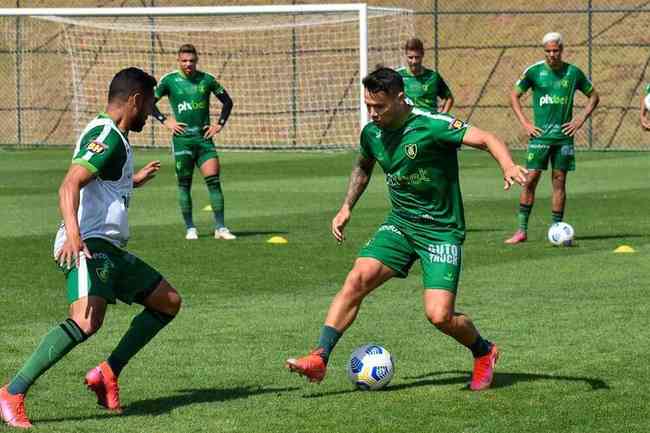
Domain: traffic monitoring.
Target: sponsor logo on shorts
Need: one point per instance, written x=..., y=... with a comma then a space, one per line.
x=449, y=276
x=390, y=228
x=567, y=150
x=444, y=253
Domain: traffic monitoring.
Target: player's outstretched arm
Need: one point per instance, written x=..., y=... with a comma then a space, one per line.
x=359, y=179
x=484, y=140
x=145, y=174
x=69, y=192
x=570, y=128
x=515, y=103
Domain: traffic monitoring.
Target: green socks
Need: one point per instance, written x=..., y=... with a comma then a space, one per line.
x=143, y=328
x=523, y=216
x=216, y=199
x=54, y=346
x=185, y=200
x=329, y=336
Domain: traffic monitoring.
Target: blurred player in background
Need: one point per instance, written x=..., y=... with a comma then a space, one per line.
x=422, y=86
x=188, y=90
x=645, y=100
x=553, y=83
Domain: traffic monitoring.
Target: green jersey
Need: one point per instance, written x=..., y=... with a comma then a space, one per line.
x=647, y=89
x=553, y=92
x=421, y=165
x=189, y=98
x=423, y=90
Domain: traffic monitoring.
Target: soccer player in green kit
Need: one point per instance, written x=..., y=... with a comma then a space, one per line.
x=645, y=121
x=418, y=152
x=422, y=86
x=554, y=83
x=93, y=200
x=188, y=90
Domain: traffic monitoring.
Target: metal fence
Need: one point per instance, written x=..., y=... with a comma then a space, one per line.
x=481, y=48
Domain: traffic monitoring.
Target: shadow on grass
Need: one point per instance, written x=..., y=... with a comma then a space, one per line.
x=614, y=236
x=183, y=397
x=501, y=380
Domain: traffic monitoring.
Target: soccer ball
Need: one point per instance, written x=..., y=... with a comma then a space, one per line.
x=561, y=234
x=370, y=367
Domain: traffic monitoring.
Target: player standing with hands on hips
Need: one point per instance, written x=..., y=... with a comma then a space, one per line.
x=188, y=90
x=551, y=136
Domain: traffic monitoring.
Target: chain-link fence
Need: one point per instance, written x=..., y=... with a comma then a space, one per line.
x=480, y=48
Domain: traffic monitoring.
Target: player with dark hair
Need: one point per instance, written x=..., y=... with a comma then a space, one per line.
x=422, y=86
x=418, y=152
x=188, y=90
x=554, y=84
x=93, y=200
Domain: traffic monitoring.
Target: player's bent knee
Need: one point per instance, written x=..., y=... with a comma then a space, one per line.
x=358, y=283
x=440, y=318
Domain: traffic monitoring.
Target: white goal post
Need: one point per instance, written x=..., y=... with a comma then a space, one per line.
x=293, y=71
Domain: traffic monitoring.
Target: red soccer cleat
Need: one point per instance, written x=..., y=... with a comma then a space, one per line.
x=311, y=366
x=12, y=409
x=103, y=382
x=484, y=369
x=518, y=237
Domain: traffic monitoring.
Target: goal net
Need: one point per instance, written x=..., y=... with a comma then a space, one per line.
x=294, y=73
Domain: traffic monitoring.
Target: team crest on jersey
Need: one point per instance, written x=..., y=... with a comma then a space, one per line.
x=564, y=83
x=96, y=147
x=411, y=150
x=457, y=124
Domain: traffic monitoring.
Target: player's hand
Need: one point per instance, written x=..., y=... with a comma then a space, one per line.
x=514, y=174
x=71, y=251
x=570, y=128
x=532, y=130
x=175, y=127
x=146, y=173
x=339, y=222
x=211, y=130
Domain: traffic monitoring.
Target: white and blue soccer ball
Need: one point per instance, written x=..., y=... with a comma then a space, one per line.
x=561, y=234
x=370, y=367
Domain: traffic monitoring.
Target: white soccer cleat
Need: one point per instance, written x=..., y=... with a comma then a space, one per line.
x=224, y=233
x=191, y=234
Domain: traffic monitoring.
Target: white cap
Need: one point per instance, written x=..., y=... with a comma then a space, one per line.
x=552, y=37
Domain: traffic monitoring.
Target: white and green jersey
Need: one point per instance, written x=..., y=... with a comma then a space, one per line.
x=424, y=89
x=553, y=92
x=104, y=150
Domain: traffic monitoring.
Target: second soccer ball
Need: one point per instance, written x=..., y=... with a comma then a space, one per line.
x=561, y=234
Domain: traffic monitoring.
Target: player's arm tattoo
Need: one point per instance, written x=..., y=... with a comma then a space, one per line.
x=359, y=179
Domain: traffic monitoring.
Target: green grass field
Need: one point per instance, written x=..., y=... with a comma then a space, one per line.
x=571, y=322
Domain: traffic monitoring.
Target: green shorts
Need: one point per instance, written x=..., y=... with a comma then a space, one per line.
x=111, y=273
x=561, y=155
x=398, y=244
x=189, y=152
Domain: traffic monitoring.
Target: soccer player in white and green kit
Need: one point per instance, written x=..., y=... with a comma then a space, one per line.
x=89, y=248
x=422, y=86
x=554, y=84
x=189, y=90
x=418, y=152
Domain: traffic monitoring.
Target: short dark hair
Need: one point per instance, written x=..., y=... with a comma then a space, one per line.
x=414, y=44
x=384, y=80
x=129, y=81
x=187, y=48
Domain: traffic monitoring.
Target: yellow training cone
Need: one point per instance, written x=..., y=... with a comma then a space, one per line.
x=625, y=249
x=208, y=208
x=277, y=240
